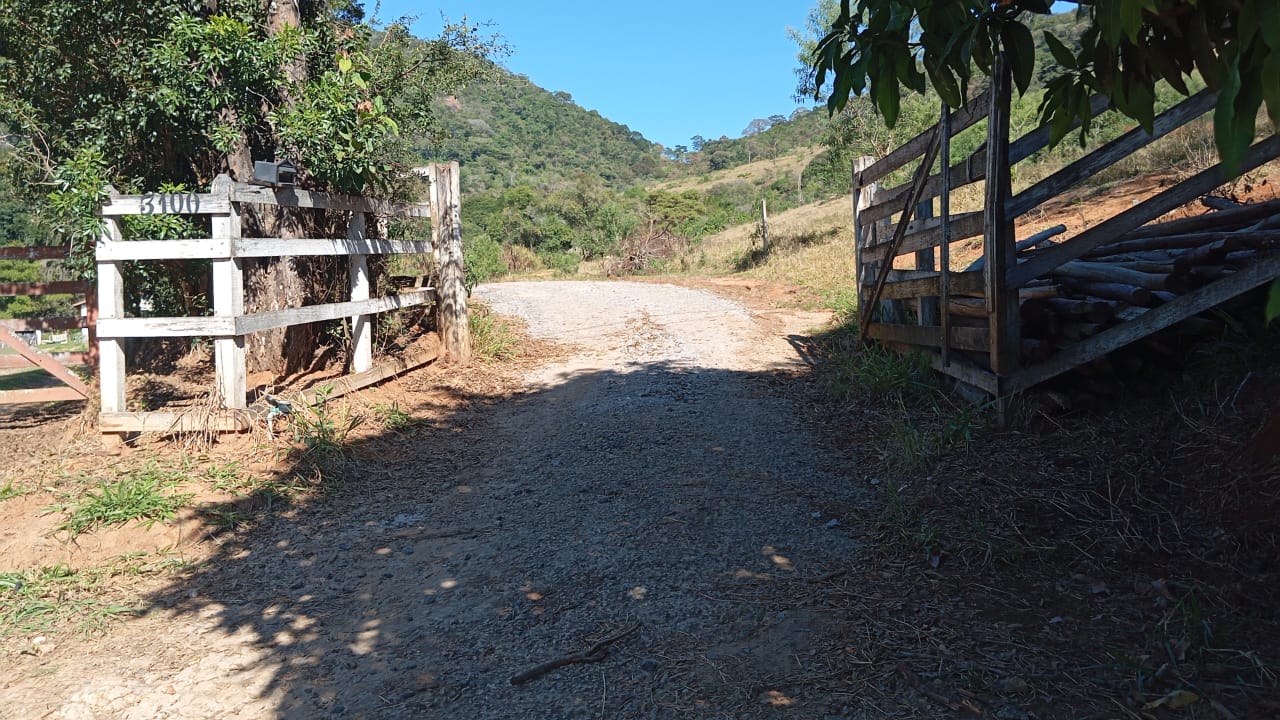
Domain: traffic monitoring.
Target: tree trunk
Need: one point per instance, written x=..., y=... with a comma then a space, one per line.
x=279, y=283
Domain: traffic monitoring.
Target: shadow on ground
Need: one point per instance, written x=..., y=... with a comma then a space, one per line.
x=443, y=560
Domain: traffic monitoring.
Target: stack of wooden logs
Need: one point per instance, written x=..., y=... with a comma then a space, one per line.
x=1123, y=279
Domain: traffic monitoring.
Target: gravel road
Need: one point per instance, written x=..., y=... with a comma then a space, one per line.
x=660, y=478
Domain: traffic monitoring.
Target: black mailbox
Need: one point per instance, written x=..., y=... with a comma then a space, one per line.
x=274, y=174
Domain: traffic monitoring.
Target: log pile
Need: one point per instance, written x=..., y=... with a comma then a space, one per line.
x=1125, y=278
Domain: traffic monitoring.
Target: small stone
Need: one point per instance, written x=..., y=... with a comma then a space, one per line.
x=832, y=523
x=649, y=665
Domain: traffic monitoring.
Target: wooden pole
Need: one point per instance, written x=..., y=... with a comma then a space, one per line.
x=361, y=287
x=764, y=224
x=928, y=314
x=999, y=249
x=111, y=368
x=228, y=302
x=451, y=313
x=861, y=201
x=944, y=246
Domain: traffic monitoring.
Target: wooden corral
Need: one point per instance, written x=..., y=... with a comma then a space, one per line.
x=1031, y=309
x=73, y=387
x=230, y=324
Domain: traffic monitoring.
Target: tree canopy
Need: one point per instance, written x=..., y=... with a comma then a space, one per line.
x=878, y=47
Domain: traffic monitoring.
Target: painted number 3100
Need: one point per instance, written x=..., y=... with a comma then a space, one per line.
x=170, y=204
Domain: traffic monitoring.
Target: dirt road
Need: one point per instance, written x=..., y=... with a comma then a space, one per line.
x=661, y=477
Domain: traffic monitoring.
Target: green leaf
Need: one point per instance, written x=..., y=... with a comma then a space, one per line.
x=887, y=98
x=1020, y=47
x=344, y=64
x=1231, y=147
x=1060, y=51
x=1269, y=75
x=1272, y=310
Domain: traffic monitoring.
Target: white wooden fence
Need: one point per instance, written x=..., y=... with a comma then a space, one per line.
x=229, y=324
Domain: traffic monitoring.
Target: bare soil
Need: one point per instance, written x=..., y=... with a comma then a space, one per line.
x=661, y=474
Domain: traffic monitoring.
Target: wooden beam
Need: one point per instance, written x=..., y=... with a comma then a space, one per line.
x=293, y=197
x=967, y=372
x=359, y=286
x=944, y=242
x=1107, y=231
x=929, y=234
x=208, y=326
x=228, y=304
x=45, y=362
x=999, y=243
x=174, y=422
x=166, y=204
x=197, y=249
x=960, y=120
x=36, y=252
x=275, y=247
x=16, y=362
x=1123, y=146
x=929, y=284
x=451, y=312
x=39, y=395
x=41, y=324
x=288, y=317
x=962, y=338
x=382, y=371
x=1114, y=338
x=57, y=287
x=111, y=360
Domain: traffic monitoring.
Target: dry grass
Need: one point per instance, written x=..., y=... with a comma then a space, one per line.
x=759, y=172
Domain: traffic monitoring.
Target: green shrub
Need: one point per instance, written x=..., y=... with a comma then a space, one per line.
x=482, y=257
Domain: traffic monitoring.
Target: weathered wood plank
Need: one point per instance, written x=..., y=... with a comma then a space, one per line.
x=960, y=120
x=451, y=311
x=360, y=287
x=42, y=324
x=962, y=338
x=45, y=362
x=166, y=204
x=967, y=372
x=39, y=395
x=319, y=313
x=15, y=362
x=56, y=287
x=197, y=249
x=1046, y=260
x=120, y=328
x=228, y=303
x=294, y=197
x=275, y=247
x=927, y=235
x=1148, y=322
x=384, y=370
x=999, y=243
x=111, y=360
x=38, y=252
x=1123, y=146
x=173, y=422
x=929, y=284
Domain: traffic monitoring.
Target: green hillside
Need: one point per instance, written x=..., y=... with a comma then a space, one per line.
x=511, y=132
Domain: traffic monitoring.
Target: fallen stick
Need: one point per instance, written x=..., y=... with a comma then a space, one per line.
x=593, y=654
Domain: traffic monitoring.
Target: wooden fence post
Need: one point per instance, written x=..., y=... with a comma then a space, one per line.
x=228, y=301
x=999, y=249
x=451, y=312
x=111, y=369
x=861, y=201
x=928, y=310
x=764, y=225
x=358, y=276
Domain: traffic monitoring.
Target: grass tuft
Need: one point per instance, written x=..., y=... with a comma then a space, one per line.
x=492, y=338
x=145, y=495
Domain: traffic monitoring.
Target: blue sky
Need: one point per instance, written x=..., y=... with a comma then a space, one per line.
x=669, y=69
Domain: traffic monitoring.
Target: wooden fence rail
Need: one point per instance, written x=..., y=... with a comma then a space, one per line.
x=995, y=357
x=73, y=387
x=229, y=323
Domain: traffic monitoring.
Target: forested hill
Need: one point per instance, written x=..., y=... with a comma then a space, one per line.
x=512, y=132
